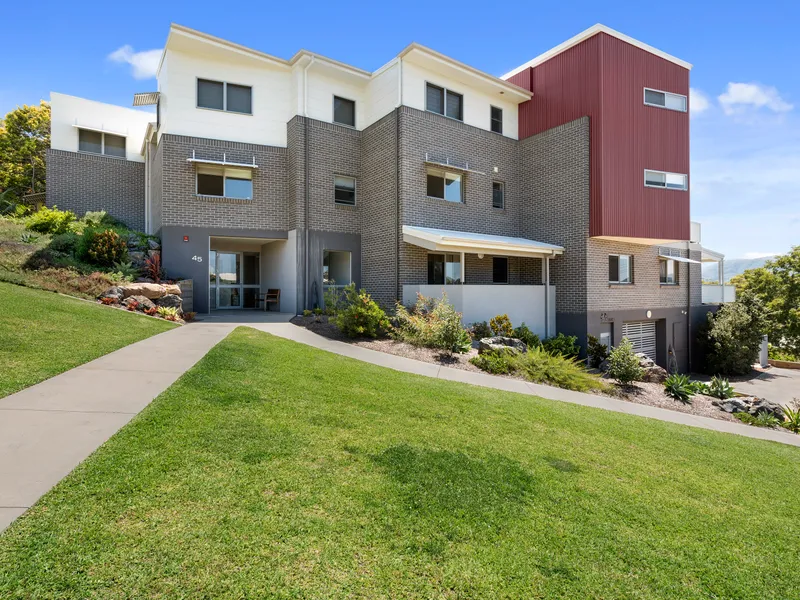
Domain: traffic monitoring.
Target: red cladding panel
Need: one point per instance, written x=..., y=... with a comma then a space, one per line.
x=604, y=78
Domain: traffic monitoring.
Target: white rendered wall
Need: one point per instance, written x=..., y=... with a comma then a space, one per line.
x=279, y=270
x=322, y=87
x=67, y=111
x=476, y=108
x=383, y=94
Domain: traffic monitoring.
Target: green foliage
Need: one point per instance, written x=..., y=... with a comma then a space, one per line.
x=28, y=237
x=623, y=364
x=679, y=387
x=776, y=353
x=334, y=300
x=126, y=269
x=564, y=345
x=170, y=313
x=11, y=207
x=698, y=387
x=524, y=333
x=731, y=338
x=480, y=330
x=720, y=388
x=24, y=140
x=792, y=412
x=102, y=247
x=501, y=325
x=540, y=366
x=777, y=286
x=762, y=419
x=96, y=218
x=361, y=315
x=432, y=323
x=50, y=220
x=66, y=243
x=152, y=268
x=596, y=351
x=494, y=362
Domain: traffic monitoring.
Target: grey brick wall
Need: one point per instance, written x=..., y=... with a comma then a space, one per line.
x=156, y=187
x=646, y=290
x=82, y=182
x=377, y=195
x=181, y=206
x=554, y=175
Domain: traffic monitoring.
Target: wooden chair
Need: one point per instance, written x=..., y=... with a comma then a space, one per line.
x=272, y=297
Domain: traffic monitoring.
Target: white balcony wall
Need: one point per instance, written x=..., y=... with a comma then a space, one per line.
x=271, y=99
x=68, y=111
x=718, y=294
x=522, y=303
x=476, y=107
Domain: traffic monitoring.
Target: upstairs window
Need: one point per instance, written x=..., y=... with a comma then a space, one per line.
x=497, y=119
x=230, y=97
x=665, y=100
x=224, y=182
x=445, y=186
x=662, y=179
x=668, y=273
x=344, y=111
x=499, y=269
x=98, y=142
x=444, y=102
x=620, y=268
x=344, y=190
x=498, y=194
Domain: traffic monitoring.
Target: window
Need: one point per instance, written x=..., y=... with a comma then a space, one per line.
x=444, y=269
x=344, y=111
x=228, y=183
x=497, y=119
x=665, y=100
x=499, y=269
x=445, y=186
x=670, y=181
x=229, y=97
x=344, y=190
x=335, y=268
x=668, y=272
x=444, y=102
x=498, y=194
x=620, y=268
x=97, y=142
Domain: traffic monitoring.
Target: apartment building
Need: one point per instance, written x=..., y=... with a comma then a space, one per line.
x=557, y=194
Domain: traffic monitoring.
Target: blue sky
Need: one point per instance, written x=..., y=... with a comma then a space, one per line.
x=745, y=142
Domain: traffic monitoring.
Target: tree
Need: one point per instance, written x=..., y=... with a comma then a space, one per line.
x=24, y=140
x=731, y=338
x=777, y=285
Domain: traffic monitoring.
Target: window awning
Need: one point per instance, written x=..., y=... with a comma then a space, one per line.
x=680, y=259
x=146, y=98
x=100, y=129
x=444, y=240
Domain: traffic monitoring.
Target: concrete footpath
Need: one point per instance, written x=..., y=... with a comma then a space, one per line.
x=50, y=428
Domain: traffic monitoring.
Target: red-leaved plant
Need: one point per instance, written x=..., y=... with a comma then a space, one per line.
x=108, y=301
x=151, y=311
x=152, y=268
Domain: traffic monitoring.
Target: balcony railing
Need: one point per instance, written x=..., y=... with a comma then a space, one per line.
x=718, y=294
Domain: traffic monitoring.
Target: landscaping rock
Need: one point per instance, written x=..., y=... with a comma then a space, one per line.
x=502, y=344
x=170, y=301
x=136, y=258
x=132, y=241
x=655, y=374
x=761, y=405
x=112, y=292
x=143, y=302
x=173, y=289
x=153, y=245
x=731, y=405
x=144, y=280
x=153, y=253
x=150, y=290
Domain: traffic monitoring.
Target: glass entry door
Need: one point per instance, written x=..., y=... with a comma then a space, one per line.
x=234, y=279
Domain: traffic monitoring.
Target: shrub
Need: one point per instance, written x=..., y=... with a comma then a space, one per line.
x=763, y=419
x=776, y=353
x=596, y=351
x=361, y=316
x=96, y=218
x=731, y=338
x=307, y=313
x=448, y=332
x=317, y=311
x=334, y=300
x=170, y=313
x=480, y=330
x=564, y=345
x=623, y=364
x=50, y=220
x=501, y=325
x=432, y=323
x=102, y=248
x=189, y=316
x=497, y=363
x=679, y=387
x=151, y=311
x=540, y=366
x=152, y=268
x=66, y=243
x=524, y=333
x=27, y=237
x=792, y=412
x=126, y=269
x=108, y=300
x=132, y=305
x=720, y=388
x=698, y=387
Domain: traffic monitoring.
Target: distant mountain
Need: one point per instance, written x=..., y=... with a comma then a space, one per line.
x=733, y=267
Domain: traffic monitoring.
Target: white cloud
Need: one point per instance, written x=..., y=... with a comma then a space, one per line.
x=741, y=97
x=143, y=64
x=698, y=102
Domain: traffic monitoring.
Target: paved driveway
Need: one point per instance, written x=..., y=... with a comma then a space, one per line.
x=777, y=385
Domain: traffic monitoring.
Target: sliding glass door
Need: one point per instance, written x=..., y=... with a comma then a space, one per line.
x=234, y=279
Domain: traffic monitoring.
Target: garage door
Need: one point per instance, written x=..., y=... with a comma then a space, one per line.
x=642, y=335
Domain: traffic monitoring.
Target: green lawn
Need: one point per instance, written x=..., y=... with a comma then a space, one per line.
x=43, y=334
x=274, y=470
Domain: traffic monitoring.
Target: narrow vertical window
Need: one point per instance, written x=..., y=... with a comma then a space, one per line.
x=498, y=194
x=499, y=269
x=497, y=119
